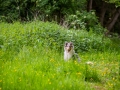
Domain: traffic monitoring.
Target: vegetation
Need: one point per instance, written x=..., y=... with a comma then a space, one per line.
x=31, y=58
x=107, y=12
x=32, y=36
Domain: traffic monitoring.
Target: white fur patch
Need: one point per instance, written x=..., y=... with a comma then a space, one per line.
x=68, y=55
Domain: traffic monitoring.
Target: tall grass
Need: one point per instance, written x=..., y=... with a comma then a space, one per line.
x=31, y=58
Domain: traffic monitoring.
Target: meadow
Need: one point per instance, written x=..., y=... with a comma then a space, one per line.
x=31, y=58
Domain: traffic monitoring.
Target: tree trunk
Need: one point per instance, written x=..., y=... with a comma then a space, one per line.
x=102, y=14
x=89, y=5
x=113, y=20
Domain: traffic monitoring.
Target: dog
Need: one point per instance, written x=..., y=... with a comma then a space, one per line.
x=69, y=51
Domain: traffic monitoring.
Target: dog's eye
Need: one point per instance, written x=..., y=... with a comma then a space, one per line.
x=66, y=45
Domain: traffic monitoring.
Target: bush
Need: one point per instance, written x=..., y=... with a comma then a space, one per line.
x=85, y=20
x=15, y=36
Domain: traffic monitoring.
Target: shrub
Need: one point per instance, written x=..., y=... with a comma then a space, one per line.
x=85, y=20
x=15, y=36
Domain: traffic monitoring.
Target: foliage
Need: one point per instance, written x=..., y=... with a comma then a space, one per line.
x=116, y=2
x=38, y=9
x=30, y=59
x=15, y=36
x=84, y=20
x=59, y=11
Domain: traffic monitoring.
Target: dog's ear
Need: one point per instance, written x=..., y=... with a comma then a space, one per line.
x=71, y=43
x=66, y=43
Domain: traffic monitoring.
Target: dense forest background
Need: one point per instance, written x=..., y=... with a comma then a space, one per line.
x=76, y=14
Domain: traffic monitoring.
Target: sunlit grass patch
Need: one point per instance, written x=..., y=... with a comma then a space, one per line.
x=31, y=73
x=91, y=74
x=28, y=60
x=32, y=70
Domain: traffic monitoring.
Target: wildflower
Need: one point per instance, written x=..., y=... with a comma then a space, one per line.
x=67, y=73
x=15, y=70
x=113, y=78
x=20, y=79
x=84, y=16
x=51, y=60
x=104, y=73
x=37, y=74
x=110, y=84
x=78, y=73
x=49, y=82
x=93, y=13
x=75, y=62
x=53, y=75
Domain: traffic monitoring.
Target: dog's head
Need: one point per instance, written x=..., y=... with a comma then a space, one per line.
x=68, y=46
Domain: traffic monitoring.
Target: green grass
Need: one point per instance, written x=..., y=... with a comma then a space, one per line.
x=30, y=65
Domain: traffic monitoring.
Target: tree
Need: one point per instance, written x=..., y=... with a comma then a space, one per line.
x=108, y=12
x=115, y=14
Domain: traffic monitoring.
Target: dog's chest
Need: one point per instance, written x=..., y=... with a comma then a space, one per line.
x=68, y=55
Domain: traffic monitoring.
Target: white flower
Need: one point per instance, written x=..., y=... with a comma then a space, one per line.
x=89, y=63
